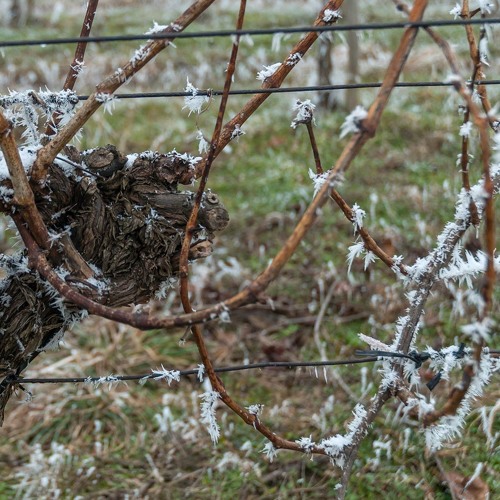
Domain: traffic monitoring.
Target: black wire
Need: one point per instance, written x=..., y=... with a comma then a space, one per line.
x=251, y=32
x=152, y=376
x=284, y=90
x=14, y=380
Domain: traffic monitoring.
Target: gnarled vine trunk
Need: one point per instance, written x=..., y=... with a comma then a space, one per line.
x=126, y=217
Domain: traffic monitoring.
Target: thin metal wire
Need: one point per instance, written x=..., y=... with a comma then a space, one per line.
x=284, y=90
x=225, y=369
x=251, y=32
x=414, y=356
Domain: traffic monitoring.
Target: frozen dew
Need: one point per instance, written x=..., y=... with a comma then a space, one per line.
x=207, y=414
x=255, y=409
x=270, y=451
x=456, y=11
x=107, y=100
x=237, y=132
x=331, y=16
x=306, y=443
x=168, y=375
x=354, y=251
x=465, y=129
x=318, y=180
x=305, y=112
x=194, y=102
x=352, y=123
x=267, y=72
x=358, y=214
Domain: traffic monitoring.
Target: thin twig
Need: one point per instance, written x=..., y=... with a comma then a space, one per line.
x=108, y=86
x=76, y=66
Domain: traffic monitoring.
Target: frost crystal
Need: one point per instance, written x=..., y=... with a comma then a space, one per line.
x=255, y=409
x=201, y=372
x=168, y=375
x=352, y=123
x=318, y=180
x=480, y=330
x=270, y=451
x=305, y=112
x=207, y=414
x=354, y=251
x=194, y=102
x=293, y=59
x=203, y=144
x=465, y=129
x=484, y=51
x=334, y=446
x=107, y=100
x=306, y=443
x=358, y=215
x=456, y=11
x=450, y=426
x=237, y=132
x=485, y=6
x=268, y=71
x=331, y=16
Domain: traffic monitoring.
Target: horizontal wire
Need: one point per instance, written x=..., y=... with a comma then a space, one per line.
x=13, y=380
x=250, y=366
x=283, y=90
x=251, y=32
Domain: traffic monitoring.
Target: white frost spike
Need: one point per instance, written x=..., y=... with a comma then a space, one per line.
x=203, y=144
x=465, y=129
x=305, y=112
x=107, y=100
x=374, y=343
x=268, y=71
x=456, y=11
x=358, y=215
x=479, y=330
x=306, y=443
x=237, y=132
x=168, y=375
x=207, y=416
x=270, y=451
x=330, y=16
x=483, y=50
x=451, y=425
x=334, y=446
x=485, y=6
x=354, y=251
x=201, y=372
x=255, y=409
x=194, y=102
x=369, y=258
x=353, y=121
x=318, y=180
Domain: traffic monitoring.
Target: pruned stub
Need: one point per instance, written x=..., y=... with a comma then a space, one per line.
x=126, y=216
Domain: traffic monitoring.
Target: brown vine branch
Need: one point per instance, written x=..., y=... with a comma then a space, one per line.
x=77, y=65
x=108, y=86
x=273, y=81
x=458, y=393
x=370, y=243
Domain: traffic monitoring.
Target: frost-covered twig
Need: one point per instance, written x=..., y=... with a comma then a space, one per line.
x=109, y=85
x=77, y=66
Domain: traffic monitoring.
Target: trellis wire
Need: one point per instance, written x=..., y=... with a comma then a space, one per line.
x=251, y=32
x=417, y=357
x=284, y=90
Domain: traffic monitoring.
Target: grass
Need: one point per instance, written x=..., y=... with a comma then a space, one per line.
x=147, y=440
